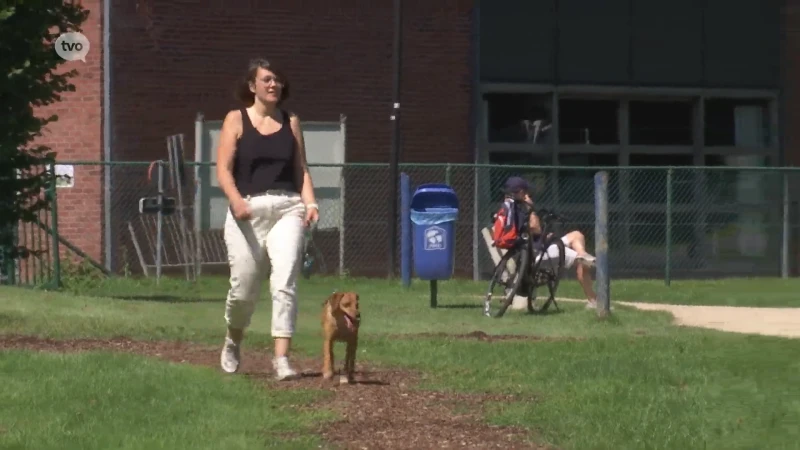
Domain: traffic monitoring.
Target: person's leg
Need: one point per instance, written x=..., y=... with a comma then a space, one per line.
x=245, y=258
x=284, y=245
x=585, y=279
x=576, y=241
x=582, y=270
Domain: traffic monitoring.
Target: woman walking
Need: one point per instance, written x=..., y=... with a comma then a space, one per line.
x=261, y=168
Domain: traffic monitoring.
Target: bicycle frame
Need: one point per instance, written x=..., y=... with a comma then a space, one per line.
x=527, y=276
x=536, y=247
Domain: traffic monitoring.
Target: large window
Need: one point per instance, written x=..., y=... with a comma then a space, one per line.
x=519, y=118
x=718, y=216
x=586, y=119
x=740, y=187
x=634, y=124
x=745, y=223
x=735, y=122
x=649, y=186
x=521, y=158
x=577, y=185
x=661, y=123
x=590, y=122
x=540, y=178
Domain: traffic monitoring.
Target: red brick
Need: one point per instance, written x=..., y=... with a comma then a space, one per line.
x=77, y=135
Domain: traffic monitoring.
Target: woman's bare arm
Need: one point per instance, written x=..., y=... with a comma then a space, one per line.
x=301, y=167
x=230, y=132
x=534, y=225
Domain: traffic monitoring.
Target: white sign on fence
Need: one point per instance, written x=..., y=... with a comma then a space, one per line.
x=65, y=175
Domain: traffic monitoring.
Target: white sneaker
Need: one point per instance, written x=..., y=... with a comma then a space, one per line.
x=587, y=260
x=593, y=305
x=282, y=369
x=229, y=359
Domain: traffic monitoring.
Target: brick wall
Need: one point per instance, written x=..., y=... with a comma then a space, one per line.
x=173, y=59
x=77, y=135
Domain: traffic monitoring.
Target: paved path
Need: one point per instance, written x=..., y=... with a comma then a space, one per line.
x=783, y=322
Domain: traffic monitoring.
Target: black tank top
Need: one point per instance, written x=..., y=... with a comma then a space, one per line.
x=264, y=162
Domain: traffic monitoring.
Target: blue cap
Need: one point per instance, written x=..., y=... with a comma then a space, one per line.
x=516, y=184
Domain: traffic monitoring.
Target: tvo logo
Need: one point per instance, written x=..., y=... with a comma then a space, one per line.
x=72, y=46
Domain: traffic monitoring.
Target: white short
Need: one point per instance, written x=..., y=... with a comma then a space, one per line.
x=552, y=254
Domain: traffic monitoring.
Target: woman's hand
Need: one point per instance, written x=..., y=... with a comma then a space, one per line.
x=528, y=199
x=241, y=210
x=312, y=214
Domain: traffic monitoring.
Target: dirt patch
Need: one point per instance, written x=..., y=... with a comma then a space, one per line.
x=382, y=410
x=783, y=322
x=766, y=321
x=484, y=337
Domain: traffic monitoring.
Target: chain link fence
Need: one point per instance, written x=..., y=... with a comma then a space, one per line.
x=663, y=222
x=146, y=242
x=29, y=251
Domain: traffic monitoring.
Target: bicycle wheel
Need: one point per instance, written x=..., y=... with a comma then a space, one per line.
x=547, y=272
x=508, y=279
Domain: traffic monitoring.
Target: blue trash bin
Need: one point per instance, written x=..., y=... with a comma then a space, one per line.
x=434, y=210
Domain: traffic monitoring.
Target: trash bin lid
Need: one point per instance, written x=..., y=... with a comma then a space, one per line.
x=434, y=195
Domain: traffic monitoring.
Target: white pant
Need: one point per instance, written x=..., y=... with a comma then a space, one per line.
x=276, y=231
x=552, y=255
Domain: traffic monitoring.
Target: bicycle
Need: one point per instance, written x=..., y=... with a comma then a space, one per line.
x=544, y=270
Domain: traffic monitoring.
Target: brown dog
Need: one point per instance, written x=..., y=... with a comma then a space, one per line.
x=340, y=321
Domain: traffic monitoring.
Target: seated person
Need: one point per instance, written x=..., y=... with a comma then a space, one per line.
x=518, y=190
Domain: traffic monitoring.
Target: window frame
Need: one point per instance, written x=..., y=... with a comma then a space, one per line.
x=626, y=94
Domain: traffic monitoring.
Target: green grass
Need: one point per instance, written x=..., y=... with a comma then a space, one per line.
x=103, y=401
x=633, y=382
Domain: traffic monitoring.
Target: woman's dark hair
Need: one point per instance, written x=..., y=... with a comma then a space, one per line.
x=243, y=92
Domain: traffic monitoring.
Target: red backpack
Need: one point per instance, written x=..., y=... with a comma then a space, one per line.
x=504, y=229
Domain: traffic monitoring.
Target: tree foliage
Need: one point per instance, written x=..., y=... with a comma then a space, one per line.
x=33, y=79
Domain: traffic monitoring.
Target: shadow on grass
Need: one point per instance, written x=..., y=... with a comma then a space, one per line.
x=550, y=312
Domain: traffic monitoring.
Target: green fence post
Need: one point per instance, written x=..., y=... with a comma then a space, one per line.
x=8, y=261
x=447, y=171
x=54, y=228
x=668, y=237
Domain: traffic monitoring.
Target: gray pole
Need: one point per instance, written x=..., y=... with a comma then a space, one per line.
x=786, y=228
x=160, y=220
x=601, y=243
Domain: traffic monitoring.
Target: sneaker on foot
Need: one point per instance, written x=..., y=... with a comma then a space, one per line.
x=283, y=371
x=230, y=357
x=587, y=260
x=593, y=305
